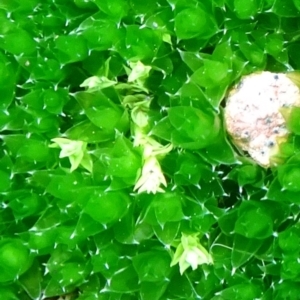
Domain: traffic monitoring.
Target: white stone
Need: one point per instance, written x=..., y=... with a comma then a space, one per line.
x=252, y=113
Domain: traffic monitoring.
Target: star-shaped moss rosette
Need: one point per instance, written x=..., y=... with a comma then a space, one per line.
x=152, y=177
x=76, y=151
x=190, y=253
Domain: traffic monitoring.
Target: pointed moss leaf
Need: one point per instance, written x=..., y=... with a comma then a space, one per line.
x=18, y=42
x=87, y=132
x=141, y=43
x=287, y=289
x=31, y=280
x=227, y=221
x=165, y=65
x=9, y=293
x=108, y=256
x=221, y=151
x=168, y=232
x=188, y=170
x=42, y=241
x=70, y=274
x=208, y=284
x=7, y=82
x=7, y=24
x=87, y=226
x=285, y=8
x=116, y=9
x=32, y=99
x=223, y=52
x=25, y=204
x=54, y=100
x=61, y=186
x=290, y=268
x=289, y=177
x=87, y=162
x=278, y=211
x=103, y=112
x=242, y=291
x=243, y=249
x=274, y=43
x=60, y=256
x=193, y=60
x=152, y=266
x=71, y=48
x=153, y=290
x=45, y=69
x=124, y=281
x=84, y=4
x=253, y=53
x=107, y=207
x=124, y=166
x=191, y=90
x=124, y=161
x=246, y=11
x=142, y=231
x=277, y=193
x=192, y=127
x=95, y=33
x=53, y=288
x=124, y=229
x=289, y=240
x=143, y=7
x=168, y=207
x=215, y=70
x=160, y=21
x=180, y=287
x=297, y=4
x=247, y=174
x=14, y=259
x=293, y=120
x=254, y=223
x=34, y=150
x=194, y=22
x=5, y=181
x=89, y=287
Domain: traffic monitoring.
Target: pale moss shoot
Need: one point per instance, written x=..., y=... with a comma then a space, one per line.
x=76, y=151
x=101, y=81
x=152, y=177
x=190, y=253
x=96, y=83
x=139, y=72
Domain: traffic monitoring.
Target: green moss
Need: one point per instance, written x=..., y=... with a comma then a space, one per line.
x=141, y=85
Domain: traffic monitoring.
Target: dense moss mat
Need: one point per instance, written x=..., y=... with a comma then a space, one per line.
x=75, y=215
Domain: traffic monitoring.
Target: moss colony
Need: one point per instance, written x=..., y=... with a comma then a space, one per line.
x=118, y=180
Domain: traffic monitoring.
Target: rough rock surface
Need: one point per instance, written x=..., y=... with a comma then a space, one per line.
x=252, y=113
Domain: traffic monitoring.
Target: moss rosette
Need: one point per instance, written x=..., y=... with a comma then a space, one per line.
x=253, y=114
